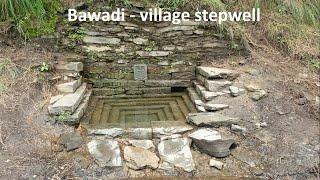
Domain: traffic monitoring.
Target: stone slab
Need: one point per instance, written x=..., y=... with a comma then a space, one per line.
x=105, y=152
x=176, y=153
x=69, y=66
x=211, y=119
x=140, y=72
x=166, y=128
x=217, y=73
x=69, y=87
x=69, y=102
x=139, y=158
x=101, y=40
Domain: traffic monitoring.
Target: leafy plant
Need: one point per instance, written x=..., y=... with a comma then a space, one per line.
x=32, y=17
x=44, y=67
x=65, y=116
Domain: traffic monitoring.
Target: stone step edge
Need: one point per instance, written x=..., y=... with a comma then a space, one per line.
x=155, y=130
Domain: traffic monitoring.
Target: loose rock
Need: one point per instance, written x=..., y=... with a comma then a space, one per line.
x=259, y=95
x=145, y=144
x=140, y=158
x=217, y=164
x=105, y=152
x=70, y=141
x=176, y=153
x=215, y=107
x=235, y=91
x=211, y=142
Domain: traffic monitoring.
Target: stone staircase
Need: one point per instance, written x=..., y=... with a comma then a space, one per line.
x=72, y=101
x=211, y=83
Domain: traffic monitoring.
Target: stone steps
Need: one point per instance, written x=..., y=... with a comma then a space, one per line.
x=70, y=105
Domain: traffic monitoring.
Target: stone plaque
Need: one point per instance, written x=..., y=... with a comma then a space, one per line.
x=140, y=72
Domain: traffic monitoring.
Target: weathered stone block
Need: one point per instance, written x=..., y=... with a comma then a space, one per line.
x=211, y=119
x=69, y=87
x=69, y=66
x=217, y=73
x=101, y=40
x=69, y=102
x=216, y=86
x=153, y=53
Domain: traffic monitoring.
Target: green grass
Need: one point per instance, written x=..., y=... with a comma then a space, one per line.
x=31, y=17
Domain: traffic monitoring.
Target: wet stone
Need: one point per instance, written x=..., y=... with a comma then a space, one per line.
x=105, y=152
x=176, y=153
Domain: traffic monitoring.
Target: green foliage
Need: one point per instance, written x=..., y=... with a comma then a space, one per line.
x=315, y=63
x=32, y=17
x=44, y=67
x=170, y=5
x=65, y=116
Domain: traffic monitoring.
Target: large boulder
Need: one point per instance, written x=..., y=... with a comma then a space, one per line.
x=176, y=153
x=212, y=142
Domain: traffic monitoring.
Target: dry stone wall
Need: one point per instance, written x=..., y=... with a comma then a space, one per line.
x=171, y=52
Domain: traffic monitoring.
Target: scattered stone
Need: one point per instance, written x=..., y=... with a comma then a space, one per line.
x=69, y=87
x=70, y=66
x=216, y=86
x=237, y=128
x=69, y=102
x=70, y=141
x=105, y=152
x=145, y=144
x=169, y=48
x=140, y=41
x=217, y=164
x=101, y=40
x=259, y=95
x=109, y=132
x=302, y=101
x=252, y=72
x=215, y=107
x=211, y=142
x=153, y=53
x=176, y=153
x=211, y=119
x=167, y=128
x=93, y=48
x=235, y=91
x=217, y=73
x=140, y=158
x=261, y=125
x=253, y=88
